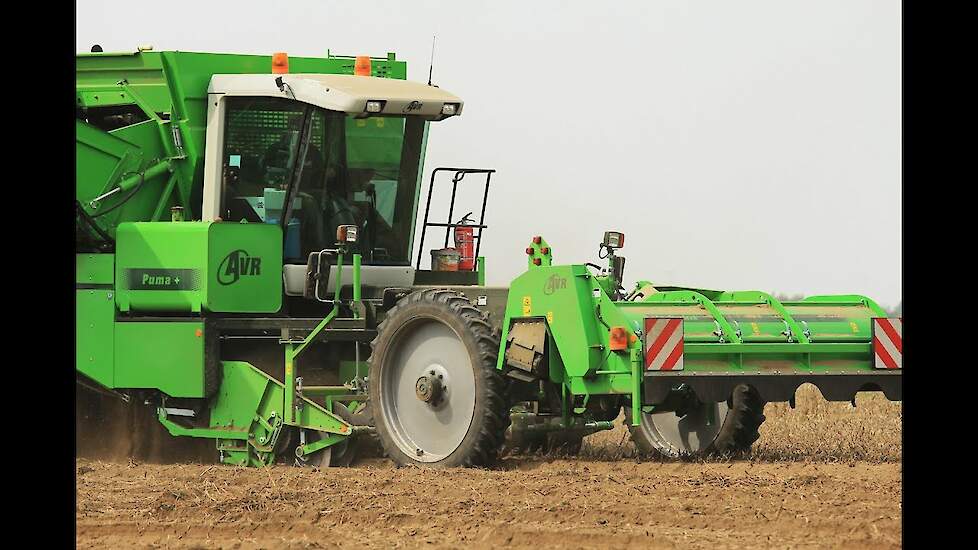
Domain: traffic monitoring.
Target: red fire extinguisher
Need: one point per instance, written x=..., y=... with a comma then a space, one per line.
x=465, y=243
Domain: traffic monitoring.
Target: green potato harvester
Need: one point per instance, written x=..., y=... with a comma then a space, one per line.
x=245, y=240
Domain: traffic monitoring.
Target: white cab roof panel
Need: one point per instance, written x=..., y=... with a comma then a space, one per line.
x=346, y=93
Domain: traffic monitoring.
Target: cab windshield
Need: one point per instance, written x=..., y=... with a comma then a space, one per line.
x=362, y=171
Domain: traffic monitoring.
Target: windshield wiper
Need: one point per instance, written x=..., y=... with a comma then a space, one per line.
x=295, y=179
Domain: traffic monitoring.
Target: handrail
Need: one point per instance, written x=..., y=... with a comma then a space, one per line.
x=460, y=173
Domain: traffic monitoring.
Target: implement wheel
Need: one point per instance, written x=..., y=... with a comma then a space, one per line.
x=705, y=428
x=339, y=454
x=435, y=393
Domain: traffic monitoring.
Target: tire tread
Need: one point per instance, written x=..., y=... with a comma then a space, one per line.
x=484, y=449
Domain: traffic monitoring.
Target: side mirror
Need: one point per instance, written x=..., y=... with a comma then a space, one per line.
x=317, y=275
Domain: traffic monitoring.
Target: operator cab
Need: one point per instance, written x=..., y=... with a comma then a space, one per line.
x=343, y=149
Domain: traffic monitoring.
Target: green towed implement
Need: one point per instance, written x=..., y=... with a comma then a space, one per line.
x=692, y=367
x=245, y=228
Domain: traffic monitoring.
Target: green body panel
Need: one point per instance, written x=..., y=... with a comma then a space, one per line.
x=195, y=266
x=168, y=356
x=102, y=158
x=565, y=297
x=161, y=267
x=95, y=334
x=255, y=283
x=95, y=316
x=94, y=269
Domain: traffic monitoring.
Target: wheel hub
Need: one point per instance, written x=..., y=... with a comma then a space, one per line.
x=429, y=389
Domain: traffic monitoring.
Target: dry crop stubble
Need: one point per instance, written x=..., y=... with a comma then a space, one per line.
x=823, y=475
x=815, y=430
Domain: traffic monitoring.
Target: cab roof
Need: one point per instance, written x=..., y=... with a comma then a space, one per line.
x=345, y=93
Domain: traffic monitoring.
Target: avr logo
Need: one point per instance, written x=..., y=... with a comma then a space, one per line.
x=554, y=283
x=237, y=264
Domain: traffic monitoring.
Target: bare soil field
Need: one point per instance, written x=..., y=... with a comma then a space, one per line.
x=823, y=475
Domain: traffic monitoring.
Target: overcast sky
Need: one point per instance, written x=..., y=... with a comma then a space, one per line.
x=750, y=145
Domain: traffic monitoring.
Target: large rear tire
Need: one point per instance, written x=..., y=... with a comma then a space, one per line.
x=706, y=428
x=436, y=396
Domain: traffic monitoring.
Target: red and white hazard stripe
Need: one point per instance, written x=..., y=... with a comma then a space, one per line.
x=663, y=344
x=888, y=343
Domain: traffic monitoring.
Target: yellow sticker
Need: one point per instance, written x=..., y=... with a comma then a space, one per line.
x=380, y=122
x=756, y=329
x=361, y=123
x=852, y=325
x=550, y=317
x=526, y=306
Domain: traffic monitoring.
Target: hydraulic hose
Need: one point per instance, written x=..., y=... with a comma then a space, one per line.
x=142, y=177
x=133, y=184
x=92, y=224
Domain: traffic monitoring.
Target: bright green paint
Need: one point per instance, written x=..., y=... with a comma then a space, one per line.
x=94, y=269
x=256, y=286
x=168, y=356
x=95, y=334
x=194, y=266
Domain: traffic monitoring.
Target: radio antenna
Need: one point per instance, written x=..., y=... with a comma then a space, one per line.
x=431, y=60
